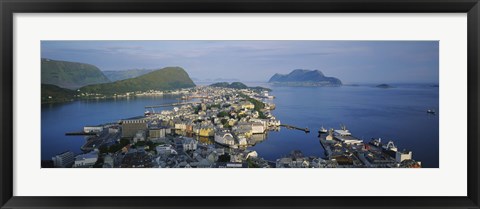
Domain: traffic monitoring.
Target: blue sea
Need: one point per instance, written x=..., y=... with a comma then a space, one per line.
x=397, y=114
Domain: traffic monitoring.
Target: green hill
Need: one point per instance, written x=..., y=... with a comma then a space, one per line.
x=168, y=78
x=239, y=85
x=70, y=75
x=234, y=85
x=53, y=94
x=117, y=75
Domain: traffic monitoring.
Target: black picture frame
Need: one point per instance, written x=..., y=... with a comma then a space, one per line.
x=10, y=7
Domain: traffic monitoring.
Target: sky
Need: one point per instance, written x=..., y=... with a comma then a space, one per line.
x=350, y=61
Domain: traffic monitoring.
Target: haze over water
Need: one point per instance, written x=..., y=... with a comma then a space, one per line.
x=397, y=114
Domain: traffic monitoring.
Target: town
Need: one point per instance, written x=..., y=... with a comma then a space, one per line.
x=213, y=127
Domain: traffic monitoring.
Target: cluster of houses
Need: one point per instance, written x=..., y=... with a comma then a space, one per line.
x=214, y=131
x=224, y=114
x=230, y=119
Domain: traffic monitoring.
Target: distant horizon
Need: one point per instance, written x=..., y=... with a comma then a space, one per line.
x=230, y=80
x=353, y=62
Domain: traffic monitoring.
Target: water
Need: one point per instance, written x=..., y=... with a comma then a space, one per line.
x=397, y=114
x=58, y=119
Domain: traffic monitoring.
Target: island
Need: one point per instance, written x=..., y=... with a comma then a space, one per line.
x=384, y=86
x=302, y=77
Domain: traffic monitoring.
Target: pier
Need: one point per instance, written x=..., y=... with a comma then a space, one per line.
x=80, y=134
x=306, y=130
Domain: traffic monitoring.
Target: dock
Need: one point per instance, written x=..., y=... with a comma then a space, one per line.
x=80, y=134
x=306, y=130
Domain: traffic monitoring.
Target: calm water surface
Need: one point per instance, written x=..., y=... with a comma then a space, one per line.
x=397, y=114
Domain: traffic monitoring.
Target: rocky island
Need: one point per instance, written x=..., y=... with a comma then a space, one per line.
x=384, y=86
x=301, y=77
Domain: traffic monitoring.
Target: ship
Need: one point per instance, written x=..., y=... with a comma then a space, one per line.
x=431, y=111
x=322, y=130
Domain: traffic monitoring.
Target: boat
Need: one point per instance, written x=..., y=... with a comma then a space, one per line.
x=431, y=111
x=147, y=113
x=322, y=130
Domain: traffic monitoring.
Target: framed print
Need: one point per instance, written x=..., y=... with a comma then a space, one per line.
x=262, y=104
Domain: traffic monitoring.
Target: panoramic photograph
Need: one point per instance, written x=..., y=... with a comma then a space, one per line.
x=239, y=104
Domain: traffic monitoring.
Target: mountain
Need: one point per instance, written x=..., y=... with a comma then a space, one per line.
x=70, y=75
x=116, y=75
x=52, y=94
x=302, y=77
x=168, y=78
x=239, y=85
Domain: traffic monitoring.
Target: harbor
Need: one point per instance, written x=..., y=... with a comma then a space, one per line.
x=351, y=152
x=202, y=120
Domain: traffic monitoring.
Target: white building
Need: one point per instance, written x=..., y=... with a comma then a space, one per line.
x=225, y=138
x=346, y=137
x=342, y=132
x=252, y=154
x=63, y=160
x=165, y=149
x=189, y=144
x=258, y=128
x=86, y=160
x=273, y=122
x=92, y=129
x=242, y=141
x=264, y=122
x=401, y=156
x=113, y=130
x=180, y=126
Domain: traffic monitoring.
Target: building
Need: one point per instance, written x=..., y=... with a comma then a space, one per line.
x=242, y=141
x=189, y=144
x=131, y=127
x=86, y=160
x=92, y=129
x=243, y=129
x=252, y=154
x=206, y=131
x=157, y=133
x=246, y=105
x=113, y=130
x=273, y=122
x=346, y=137
x=403, y=155
x=139, y=136
x=165, y=149
x=258, y=128
x=63, y=160
x=180, y=125
x=225, y=138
